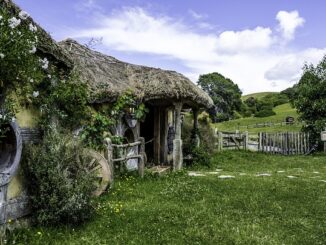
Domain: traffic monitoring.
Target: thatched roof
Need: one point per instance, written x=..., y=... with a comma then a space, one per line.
x=111, y=77
x=46, y=45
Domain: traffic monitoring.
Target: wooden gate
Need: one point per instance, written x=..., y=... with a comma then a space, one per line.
x=232, y=140
x=289, y=143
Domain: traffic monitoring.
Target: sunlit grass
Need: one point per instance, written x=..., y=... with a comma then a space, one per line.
x=282, y=111
x=181, y=209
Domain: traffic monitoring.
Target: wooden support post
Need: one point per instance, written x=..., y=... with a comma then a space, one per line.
x=109, y=158
x=260, y=138
x=141, y=161
x=177, y=142
x=246, y=140
x=220, y=141
x=196, y=139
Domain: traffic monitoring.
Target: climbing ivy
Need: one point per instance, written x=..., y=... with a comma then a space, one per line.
x=95, y=132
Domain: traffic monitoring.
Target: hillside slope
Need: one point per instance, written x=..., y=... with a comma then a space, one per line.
x=282, y=111
x=257, y=95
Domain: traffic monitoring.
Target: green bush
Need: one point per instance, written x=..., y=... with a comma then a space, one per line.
x=201, y=155
x=265, y=113
x=59, y=185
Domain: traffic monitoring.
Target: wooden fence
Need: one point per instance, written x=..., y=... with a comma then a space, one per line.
x=269, y=124
x=289, y=143
x=121, y=152
x=230, y=140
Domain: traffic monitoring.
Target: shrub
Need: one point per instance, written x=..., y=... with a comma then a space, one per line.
x=201, y=155
x=59, y=185
x=265, y=113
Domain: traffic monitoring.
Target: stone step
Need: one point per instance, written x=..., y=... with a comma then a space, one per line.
x=160, y=170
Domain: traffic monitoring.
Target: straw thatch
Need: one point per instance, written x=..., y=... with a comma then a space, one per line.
x=111, y=77
x=46, y=45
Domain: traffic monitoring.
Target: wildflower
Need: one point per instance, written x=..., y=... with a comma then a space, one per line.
x=36, y=94
x=32, y=28
x=14, y=22
x=2, y=55
x=45, y=63
x=33, y=50
x=1, y=17
x=23, y=15
x=39, y=233
x=31, y=80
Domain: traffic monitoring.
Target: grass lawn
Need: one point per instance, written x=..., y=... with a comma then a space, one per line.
x=282, y=111
x=182, y=209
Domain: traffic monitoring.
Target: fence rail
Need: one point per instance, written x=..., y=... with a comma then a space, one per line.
x=289, y=143
x=141, y=155
x=268, y=124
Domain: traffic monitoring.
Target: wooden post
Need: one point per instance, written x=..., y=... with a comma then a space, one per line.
x=246, y=141
x=141, y=162
x=177, y=142
x=260, y=143
x=220, y=141
x=196, y=139
x=109, y=157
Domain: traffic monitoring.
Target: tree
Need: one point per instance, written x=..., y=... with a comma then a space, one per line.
x=225, y=93
x=310, y=98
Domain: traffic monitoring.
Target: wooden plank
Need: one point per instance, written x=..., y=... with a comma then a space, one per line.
x=126, y=158
x=127, y=145
x=260, y=143
x=303, y=143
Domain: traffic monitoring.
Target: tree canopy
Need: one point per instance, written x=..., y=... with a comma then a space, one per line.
x=225, y=93
x=310, y=97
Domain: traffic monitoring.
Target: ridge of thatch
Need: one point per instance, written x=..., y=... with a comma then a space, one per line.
x=110, y=77
x=46, y=44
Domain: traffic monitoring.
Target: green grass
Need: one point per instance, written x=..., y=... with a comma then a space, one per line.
x=180, y=209
x=282, y=111
x=257, y=95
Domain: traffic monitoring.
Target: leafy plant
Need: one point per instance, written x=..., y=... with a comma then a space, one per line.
x=98, y=127
x=310, y=98
x=20, y=69
x=59, y=185
x=94, y=133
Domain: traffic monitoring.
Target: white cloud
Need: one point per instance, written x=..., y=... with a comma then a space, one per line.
x=288, y=23
x=254, y=58
x=196, y=15
x=289, y=65
x=246, y=40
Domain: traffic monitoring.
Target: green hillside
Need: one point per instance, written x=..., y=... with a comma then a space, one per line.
x=282, y=111
x=257, y=95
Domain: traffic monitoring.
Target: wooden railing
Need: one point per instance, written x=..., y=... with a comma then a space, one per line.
x=111, y=148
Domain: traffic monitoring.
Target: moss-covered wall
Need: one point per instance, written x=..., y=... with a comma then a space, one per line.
x=16, y=185
x=27, y=117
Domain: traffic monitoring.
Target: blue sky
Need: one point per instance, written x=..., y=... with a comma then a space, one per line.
x=260, y=45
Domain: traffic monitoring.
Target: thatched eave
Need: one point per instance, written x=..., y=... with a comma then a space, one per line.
x=108, y=78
